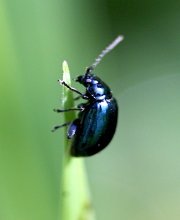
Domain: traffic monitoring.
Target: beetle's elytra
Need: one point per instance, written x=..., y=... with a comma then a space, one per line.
x=95, y=125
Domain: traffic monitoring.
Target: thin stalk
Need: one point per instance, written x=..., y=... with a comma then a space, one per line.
x=76, y=202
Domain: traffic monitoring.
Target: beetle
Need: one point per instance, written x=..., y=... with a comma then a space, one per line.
x=95, y=125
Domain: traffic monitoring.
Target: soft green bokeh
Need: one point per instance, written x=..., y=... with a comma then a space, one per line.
x=137, y=176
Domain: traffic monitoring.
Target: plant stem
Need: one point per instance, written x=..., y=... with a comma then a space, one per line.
x=76, y=203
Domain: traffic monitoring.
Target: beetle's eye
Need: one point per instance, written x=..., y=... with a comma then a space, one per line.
x=88, y=80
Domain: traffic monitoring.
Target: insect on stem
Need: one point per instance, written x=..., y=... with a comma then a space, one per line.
x=95, y=125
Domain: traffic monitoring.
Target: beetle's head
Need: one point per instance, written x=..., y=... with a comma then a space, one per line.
x=87, y=79
x=95, y=87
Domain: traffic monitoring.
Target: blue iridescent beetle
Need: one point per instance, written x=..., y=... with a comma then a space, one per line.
x=95, y=125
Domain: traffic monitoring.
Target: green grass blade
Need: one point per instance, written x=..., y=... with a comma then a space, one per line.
x=75, y=193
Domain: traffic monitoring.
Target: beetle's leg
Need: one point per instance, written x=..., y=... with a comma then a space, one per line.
x=73, y=89
x=83, y=97
x=62, y=82
x=79, y=108
x=60, y=126
x=73, y=128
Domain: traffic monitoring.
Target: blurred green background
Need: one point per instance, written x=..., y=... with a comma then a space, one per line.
x=138, y=176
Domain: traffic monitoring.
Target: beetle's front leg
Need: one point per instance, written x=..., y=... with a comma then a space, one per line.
x=62, y=82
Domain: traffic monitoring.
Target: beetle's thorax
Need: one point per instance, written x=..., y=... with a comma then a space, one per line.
x=95, y=87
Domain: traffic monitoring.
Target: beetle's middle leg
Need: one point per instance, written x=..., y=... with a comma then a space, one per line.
x=80, y=108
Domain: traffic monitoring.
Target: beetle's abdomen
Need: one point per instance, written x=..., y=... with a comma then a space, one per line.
x=97, y=127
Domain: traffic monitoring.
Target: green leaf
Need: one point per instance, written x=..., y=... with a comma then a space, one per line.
x=75, y=192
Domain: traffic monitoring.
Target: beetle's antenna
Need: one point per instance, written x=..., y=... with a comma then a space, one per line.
x=104, y=52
